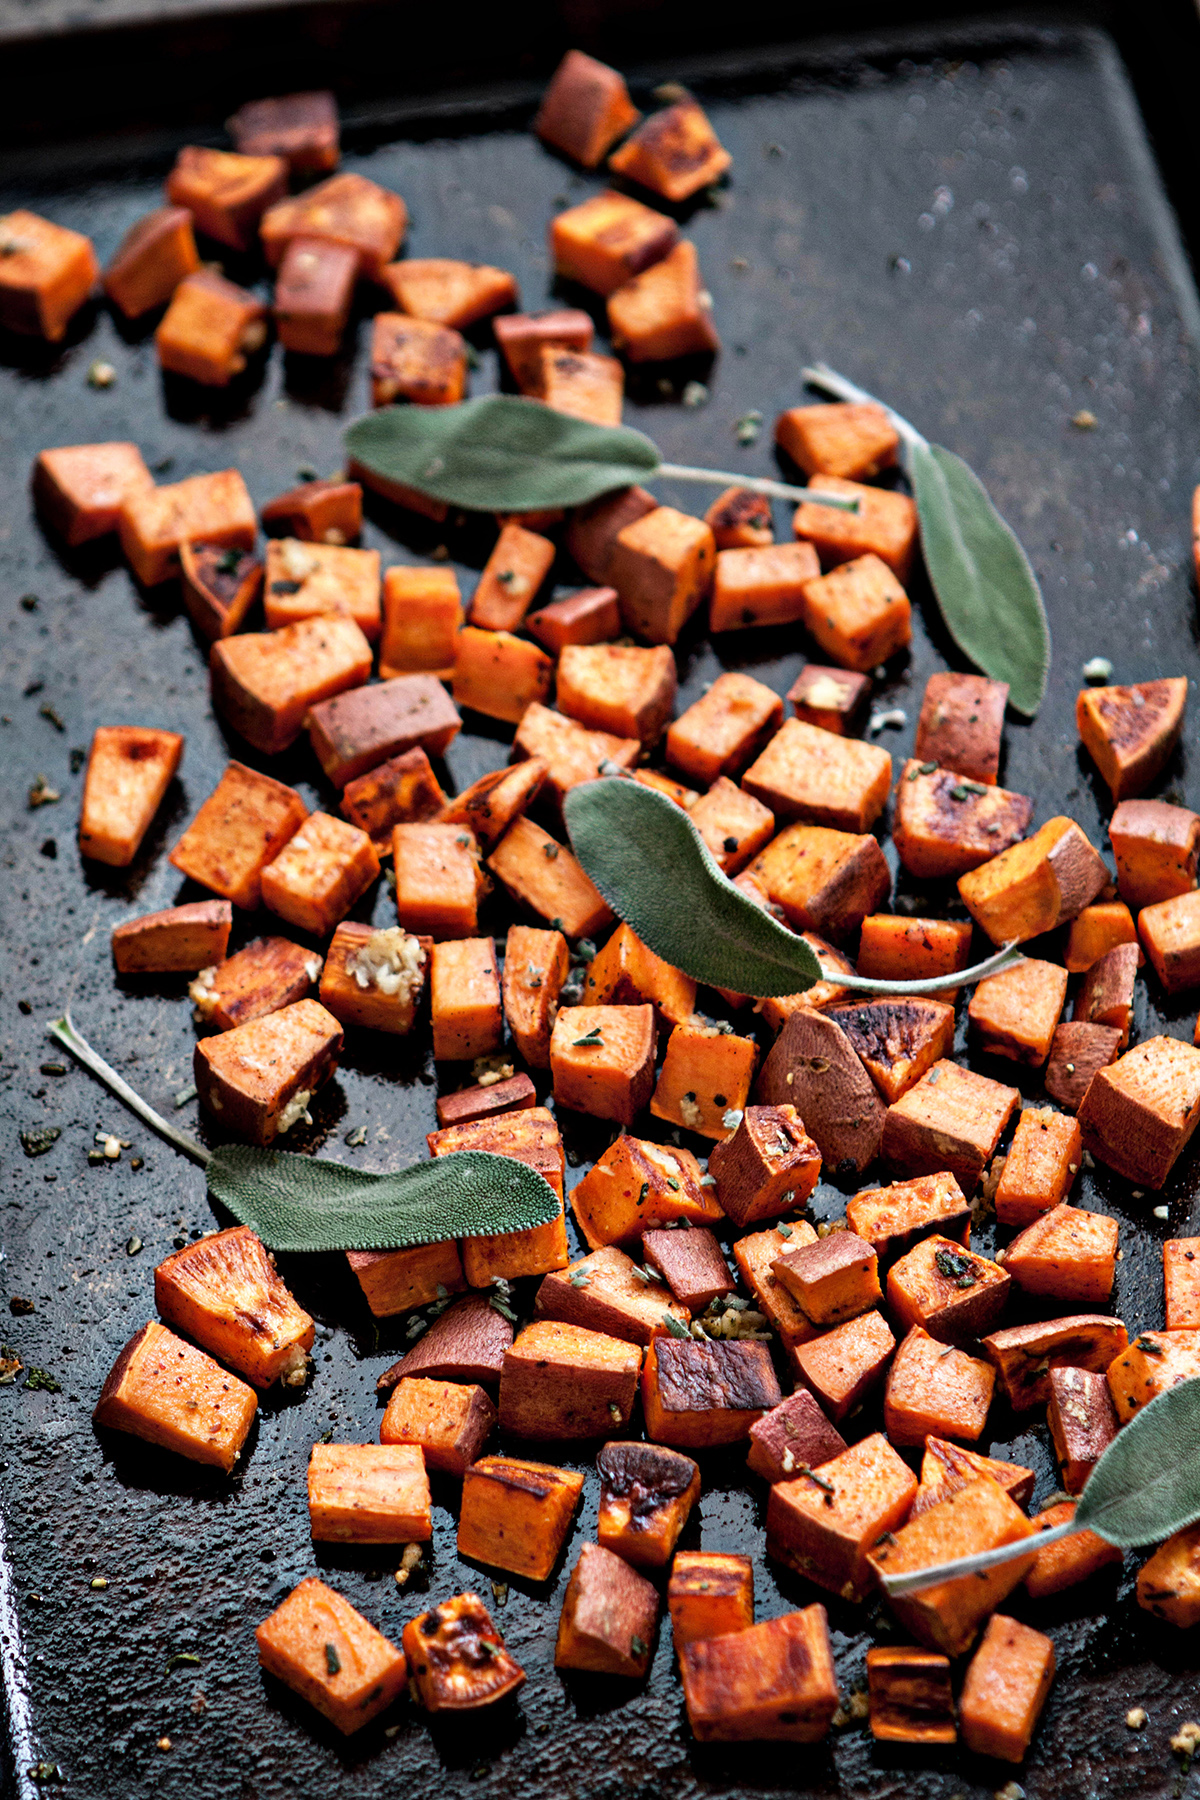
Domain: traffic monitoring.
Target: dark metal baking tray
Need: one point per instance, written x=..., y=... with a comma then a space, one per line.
x=966, y=218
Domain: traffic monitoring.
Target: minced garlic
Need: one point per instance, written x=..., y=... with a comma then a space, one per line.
x=202, y=992
x=295, y=1110
x=391, y=961
x=296, y=560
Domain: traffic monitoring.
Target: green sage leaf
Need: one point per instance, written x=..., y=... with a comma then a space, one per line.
x=1146, y=1486
x=987, y=592
x=306, y=1203
x=500, y=453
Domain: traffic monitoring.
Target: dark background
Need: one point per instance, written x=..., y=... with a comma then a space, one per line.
x=964, y=216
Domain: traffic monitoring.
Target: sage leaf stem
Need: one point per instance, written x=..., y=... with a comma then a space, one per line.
x=755, y=484
x=915, y=1580
x=64, y=1031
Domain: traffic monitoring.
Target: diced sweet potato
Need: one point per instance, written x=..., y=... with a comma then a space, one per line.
x=490, y=805
x=319, y=874
x=1043, y=1160
x=543, y=875
x=911, y=1699
x=346, y=209
x=358, y=730
x=723, y=730
x=585, y=109
x=590, y=616
x=446, y=292
x=768, y=1166
x=606, y=1291
x=562, y=1381
x=210, y=329
x=885, y=526
x=947, y=826
x=1082, y=1423
x=415, y=361
x=179, y=940
x=1170, y=932
x=219, y=587
x=396, y=1281
x=826, y=881
x=242, y=826
x=270, y=684
x=1005, y=1690
x=80, y=489
x=1034, y=886
x=515, y=570
x=625, y=973
x=464, y=990
x=1023, y=1355
x=832, y=1280
x=814, y=775
x=824, y=1525
x=664, y=312
x=1074, y=1559
x=961, y=725
x=951, y=1120
x=572, y=753
x=422, y=616
x=536, y=964
x=829, y=698
x=980, y=1516
x=754, y=1256
x=485, y=1100
x=646, y=1494
x=842, y=1365
x=602, y=1060
x=450, y=1423
x=898, y=1040
x=521, y=338
x=438, y=880
x=1130, y=732
x=466, y=1343
x=696, y=1394
x=935, y=1390
x=532, y=1137
x=374, y=979
x=173, y=1395
x=1097, y=930
x=302, y=128
x=402, y=791
x=306, y=580
x=516, y=1515
x=324, y=1650
x=894, y=948
x=692, y=1265
x=674, y=153
x=151, y=260
x=858, y=613
x=740, y=520
x=705, y=1076
x=1139, y=1114
x=793, y=1436
x=1077, y=1052
x=129, y=770
x=263, y=976
x=1106, y=997
x=893, y=1219
x=636, y=1185
x=1181, y=1277
x=314, y=291
x=46, y=274
x=814, y=1067
x=226, y=192
x=771, y=1681
x=1015, y=1014
x=156, y=522
x=594, y=529
x=457, y=1657
x=618, y=688
x=1154, y=1362
x=499, y=675
x=953, y=1292
x=582, y=384
x=1066, y=1254
x=256, y=1081
x=843, y=438
x=1169, y=1584
x=224, y=1291
x=945, y=1468
x=661, y=566
x=316, y=512
x=609, y=1617
x=710, y=1593
x=763, y=585
x=368, y=1494
x=608, y=239
x=1156, y=847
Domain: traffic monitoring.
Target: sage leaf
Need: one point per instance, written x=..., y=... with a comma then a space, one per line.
x=656, y=873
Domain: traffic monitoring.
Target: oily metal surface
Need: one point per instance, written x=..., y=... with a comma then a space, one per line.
x=983, y=241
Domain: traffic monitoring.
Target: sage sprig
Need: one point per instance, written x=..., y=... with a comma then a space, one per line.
x=657, y=874
x=987, y=592
x=502, y=453
x=307, y=1203
x=1145, y=1487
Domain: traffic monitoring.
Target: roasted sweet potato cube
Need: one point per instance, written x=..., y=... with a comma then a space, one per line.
x=911, y=1698
x=263, y=976
x=793, y=1436
x=582, y=384
x=692, y=1265
x=414, y=360
x=898, y=1040
x=1015, y=1014
x=80, y=489
x=561, y=1381
x=1106, y=997
x=156, y=521
x=696, y=1394
x=179, y=940
x=1074, y=1559
x=625, y=973
x=269, y=684
x=771, y=1681
x=314, y=291
x=1042, y=1162
x=602, y=1060
x=1139, y=1114
x=1082, y=1421
x=242, y=826
x=609, y=1616
x=814, y=1067
x=437, y=879
x=499, y=675
x=1156, y=848
x=1035, y=885
x=636, y=1185
x=961, y=725
x=723, y=730
x=893, y=1219
x=515, y=570
x=946, y=1467
x=606, y=1291
x=368, y=1494
x=832, y=1280
x=485, y=1100
x=129, y=770
x=980, y=1516
x=814, y=775
x=543, y=875
x=402, y=791
x=422, y=617
x=594, y=529
x=842, y=439
x=151, y=260
x=516, y=1515
x=571, y=753
x=171, y=1394
x=530, y=1136
x=768, y=1166
x=893, y=948
x=684, y=797
x=219, y=587
x=885, y=526
x=226, y=192
x=1130, y=732
x=1169, y=1584
x=317, y=512
x=449, y=1422
x=951, y=1120
x=374, y=979
x=705, y=1077
x=46, y=274
x=464, y=992
x=256, y=1081
x=1065, y=1254
x=396, y=1281
x=324, y=1650
x=661, y=566
x=823, y=1525
x=954, y=1293
x=1154, y=1362
x=224, y=1291
x=1181, y=1277
x=306, y=580
x=490, y=805
x=1077, y=1052
x=842, y=1365
x=346, y=209
x=319, y=874
x=826, y=881
x=590, y=616
x=457, y=294
x=754, y=1256
x=521, y=338
x=618, y=688
x=357, y=730
x=761, y=586
x=1097, y=930
x=858, y=613
x=664, y=312
x=741, y=520
x=210, y=329
x=585, y=109
x=945, y=826
x=608, y=239
x=536, y=964
x=1023, y=1355
x=302, y=128
x=646, y=1494
x=1005, y=1689
x=674, y=153
x=710, y=1593
x=935, y=1389
x=829, y=698
x=1170, y=932
x=466, y=1343
x=457, y=1657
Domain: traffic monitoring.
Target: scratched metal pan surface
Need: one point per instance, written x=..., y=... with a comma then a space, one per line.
x=983, y=238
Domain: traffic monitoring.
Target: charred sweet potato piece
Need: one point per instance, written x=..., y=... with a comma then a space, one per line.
x=242, y=826
x=1034, y=886
x=46, y=274
x=467, y=1343
x=980, y=1516
x=674, y=153
x=269, y=684
x=457, y=1657
x=1067, y=1255
x=1139, y=1114
x=945, y=1468
x=794, y=1435
x=1170, y=931
x=516, y=1515
x=710, y=1593
x=1082, y=1423
x=490, y=805
x=826, y=881
x=1005, y=1689
x=741, y=520
x=697, y=1394
x=585, y=109
x=1075, y=1559
x=947, y=826
x=171, y=1394
x=772, y=1681
x=80, y=489
x=219, y=587
x=626, y=973
x=561, y=1381
x=396, y=1281
x=609, y=1617
x=374, y=979
x=768, y=1166
x=951, y=1120
x=368, y=1494
x=485, y=1100
x=911, y=1698
x=314, y=291
x=754, y=1256
x=952, y=1292
x=832, y=1280
x=1097, y=930
x=691, y=1264
x=1130, y=732
x=664, y=312
x=536, y=964
x=606, y=1291
x=226, y=192
x=602, y=1060
x=824, y=1524
x=211, y=329
x=1154, y=1362
x=265, y=975
x=1181, y=1278
x=446, y=292
x=1106, y=997
x=608, y=239
x=897, y=1040
x=438, y=880
x=814, y=775
x=618, y=688
x=885, y=526
x=842, y=1365
x=498, y=674
x=1156, y=847
x=842, y=439
x=661, y=566
x=464, y=990
x=346, y=209
x=153, y=257
x=636, y=1185
x=302, y=128
x=1015, y=1013
x=258, y=1079
x=532, y=1137
x=705, y=1078
x=829, y=698
x=1169, y=1584
x=893, y=1219
x=402, y=791
x=543, y=875
x=181, y=939
x=935, y=1390
x=723, y=730
x=814, y=1067
x=1076, y=1053
x=449, y=1422
x=894, y=948
x=590, y=616
x=646, y=1494
x=416, y=361
x=1023, y=1355
x=961, y=724
x=319, y=874
x=305, y=580
x=129, y=770
x=224, y=1291
x=571, y=752
x=324, y=1650
x=1042, y=1162
x=858, y=613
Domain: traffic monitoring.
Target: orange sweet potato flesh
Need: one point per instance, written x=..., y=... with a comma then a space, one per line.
x=1043, y=1161
x=945, y=826
x=536, y=964
x=515, y=1515
x=609, y=1616
x=710, y=1592
x=961, y=725
x=1023, y=1355
x=585, y=109
x=515, y=570
x=368, y=1494
x=842, y=1365
x=674, y=152
x=1130, y=732
x=832, y=1280
x=825, y=881
x=1095, y=931
x=1015, y=1013
x=858, y=613
x=754, y=1255
x=1005, y=1690
x=814, y=775
x=225, y=1292
x=129, y=771
x=885, y=526
x=248, y=1077
x=953, y=1293
x=450, y=1422
x=602, y=1059
x=1154, y=1362
x=910, y=1696
x=898, y=1040
x=696, y=1394
x=935, y=1392
x=824, y=1527
x=951, y=1120
x=646, y=1494
x=1066, y=1254
x=79, y=489
x=604, y=1292
x=498, y=674
x=894, y=948
x=767, y=1166
x=946, y=1467
x=561, y=1381
x=1037, y=884
x=626, y=973
x=544, y=876
x=1169, y=1584
x=396, y=1281
x=494, y=802
x=775, y=1680
x=664, y=312
x=893, y=1219
x=268, y=974
x=268, y=685
x=180, y=939
x=705, y=1075
x=1082, y=1423
x=1181, y=1275
x=325, y=1651
x=457, y=1657
x=723, y=730
x=1156, y=848
x=636, y=1185
x=1139, y=1114
x=165, y=1391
